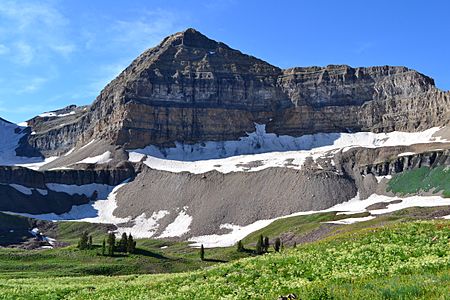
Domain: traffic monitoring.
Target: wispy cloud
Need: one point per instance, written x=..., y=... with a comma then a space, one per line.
x=126, y=38
x=147, y=30
x=42, y=45
x=33, y=31
x=363, y=47
x=34, y=84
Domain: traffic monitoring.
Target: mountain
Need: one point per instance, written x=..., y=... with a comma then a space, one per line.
x=192, y=89
x=196, y=140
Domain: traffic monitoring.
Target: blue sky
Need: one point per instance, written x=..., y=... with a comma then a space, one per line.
x=55, y=53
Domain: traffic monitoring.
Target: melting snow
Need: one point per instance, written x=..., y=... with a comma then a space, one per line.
x=99, y=159
x=144, y=227
x=406, y=154
x=351, y=220
x=269, y=149
x=179, y=226
x=87, y=189
x=37, y=165
x=379, y=178
x=9, y=142
x=26, y=190
x=54, y=114
x=352, y=206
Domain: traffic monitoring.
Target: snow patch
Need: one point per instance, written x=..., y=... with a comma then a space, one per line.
x=351, y=220
x=144, y=227
x=379, y=178
x=37, y=165
x=23, y=189
x=26, y=190
x=179, y=226
x=54, y=114
x=88, y=190
x=69, y=152
x=99, y=159
x=260, y=150
x=10, y=135
x=406, y=154
x=353, y=206
x=99, y=211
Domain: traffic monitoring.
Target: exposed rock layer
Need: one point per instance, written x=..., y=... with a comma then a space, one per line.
x=193, y=89
x=38, y=179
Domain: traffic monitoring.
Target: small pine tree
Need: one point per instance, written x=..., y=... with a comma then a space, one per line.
x=295, y=245
x=202, y=252
x=282, y=247
x=266, y=244
x=277, y=245
x=90, y=244
x=111, y=243
x=260, y=245
x=131, y=245
x=123, y=243
x=104, y=247
x=83, y=242
x=240, y=247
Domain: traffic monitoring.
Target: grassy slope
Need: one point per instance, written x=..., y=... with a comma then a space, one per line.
x=13, y=229
x=407, y=260
x=422, y=179
x=177, y=257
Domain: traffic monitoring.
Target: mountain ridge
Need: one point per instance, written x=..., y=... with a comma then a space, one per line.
x=190, y=88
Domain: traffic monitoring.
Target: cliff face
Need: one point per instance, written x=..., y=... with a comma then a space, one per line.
x=193, y=89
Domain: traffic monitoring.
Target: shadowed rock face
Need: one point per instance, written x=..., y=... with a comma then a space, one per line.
x=191, y=89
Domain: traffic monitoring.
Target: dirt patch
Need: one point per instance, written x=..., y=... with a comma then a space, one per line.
x=250, y=165
x=317, y=234
x=382, y=205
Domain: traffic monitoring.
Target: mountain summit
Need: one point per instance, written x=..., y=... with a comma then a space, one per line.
x=190, y=89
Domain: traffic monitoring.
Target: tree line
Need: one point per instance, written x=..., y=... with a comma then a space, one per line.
x=262, y=246
x=126, y=244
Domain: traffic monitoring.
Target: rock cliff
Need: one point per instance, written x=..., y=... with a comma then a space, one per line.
x=191, y=89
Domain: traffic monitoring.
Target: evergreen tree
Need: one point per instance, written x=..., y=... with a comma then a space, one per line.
x=260, y=245
x=282, y=247
x=90, y=242
x=295, y=245
x=123, y=243
x=277, y=245
x=202, y=252
x=111, y=243
x=266, y=244
x=240, y=247
x=104, y=247
x=83, y=242
x=131, y=245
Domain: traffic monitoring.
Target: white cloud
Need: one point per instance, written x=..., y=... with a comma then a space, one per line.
x=24, y=53
x=33, y=30
x=34, y=84
x=147, y=30
x=128, y=38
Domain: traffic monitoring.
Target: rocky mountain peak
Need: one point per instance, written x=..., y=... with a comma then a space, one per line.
x=191, y=38
x=191, y=89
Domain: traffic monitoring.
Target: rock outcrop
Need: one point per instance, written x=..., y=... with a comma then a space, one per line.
x=191, y=89
x=38, y=179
